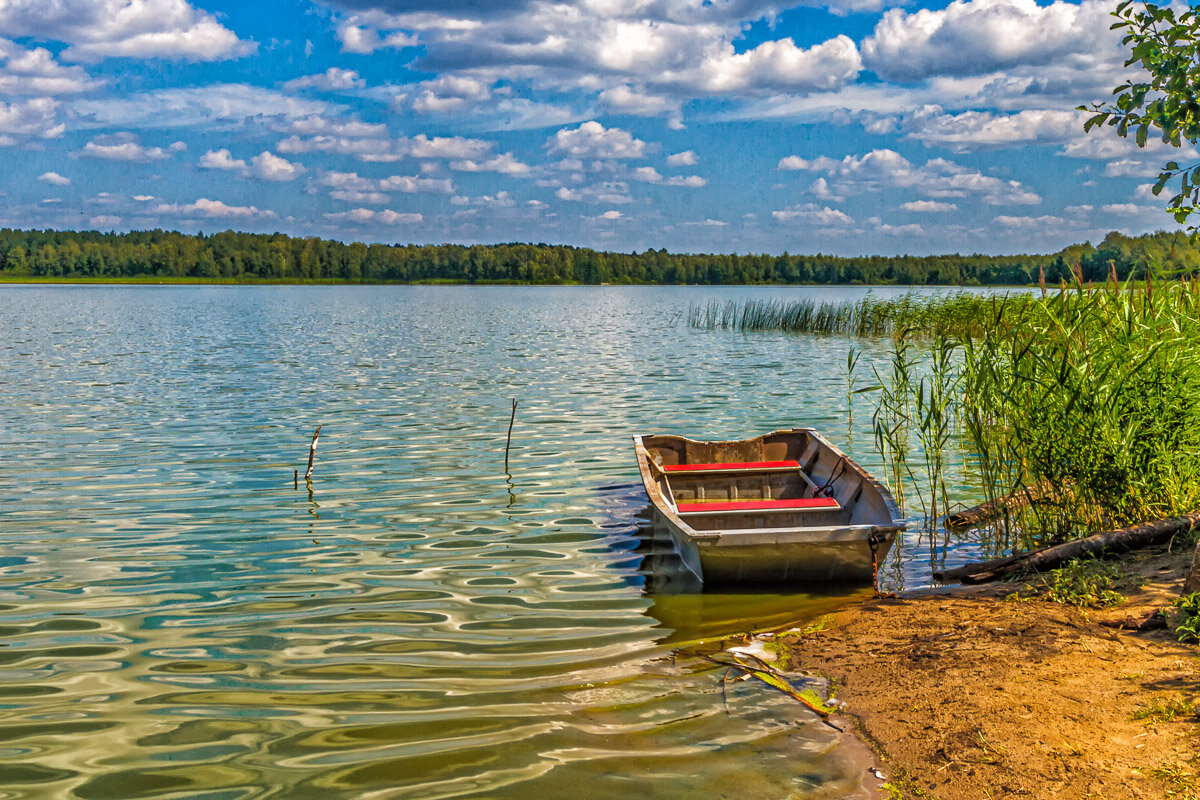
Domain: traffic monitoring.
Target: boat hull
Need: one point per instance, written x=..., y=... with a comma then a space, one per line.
x=784, y=547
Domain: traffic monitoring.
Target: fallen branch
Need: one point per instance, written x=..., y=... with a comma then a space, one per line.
x=983, y=513
x=1119, y=541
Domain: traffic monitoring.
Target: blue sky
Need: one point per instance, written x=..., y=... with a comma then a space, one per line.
x=850, y=126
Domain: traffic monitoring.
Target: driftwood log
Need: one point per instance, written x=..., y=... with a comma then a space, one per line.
x=1118, y=541
x=983, y=513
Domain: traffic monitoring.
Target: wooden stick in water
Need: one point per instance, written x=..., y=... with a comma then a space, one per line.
x=508, y=443
x=312, y=453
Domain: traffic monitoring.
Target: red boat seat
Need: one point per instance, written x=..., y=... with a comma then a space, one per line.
x=737, y=466
x=794, y=504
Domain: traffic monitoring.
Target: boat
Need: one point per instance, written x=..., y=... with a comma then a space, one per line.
x=784, y=507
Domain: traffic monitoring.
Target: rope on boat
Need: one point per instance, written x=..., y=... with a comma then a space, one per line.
x=838, y=470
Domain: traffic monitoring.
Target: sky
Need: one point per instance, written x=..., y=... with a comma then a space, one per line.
x=850, y=127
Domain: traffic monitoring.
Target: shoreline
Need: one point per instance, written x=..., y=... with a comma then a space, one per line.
x=966, y=693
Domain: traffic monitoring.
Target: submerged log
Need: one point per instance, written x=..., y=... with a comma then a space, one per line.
x=983, y=513
x=1135, y=536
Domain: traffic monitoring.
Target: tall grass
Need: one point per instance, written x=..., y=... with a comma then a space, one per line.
x=1093, y=389
x=869, y=317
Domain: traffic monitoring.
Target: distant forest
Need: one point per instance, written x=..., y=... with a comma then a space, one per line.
x=248, y=257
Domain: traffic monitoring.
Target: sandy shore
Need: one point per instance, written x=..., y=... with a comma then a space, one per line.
x=967, y=694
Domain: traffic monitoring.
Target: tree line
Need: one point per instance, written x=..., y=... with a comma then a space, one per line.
x=249, y=257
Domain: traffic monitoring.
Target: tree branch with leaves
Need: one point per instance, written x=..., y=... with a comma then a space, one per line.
x=1165, y=45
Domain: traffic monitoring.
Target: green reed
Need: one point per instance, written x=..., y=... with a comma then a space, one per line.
x=1093, y=389
x=960, y=312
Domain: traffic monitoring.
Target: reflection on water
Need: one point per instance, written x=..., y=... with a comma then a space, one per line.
x=177, y=619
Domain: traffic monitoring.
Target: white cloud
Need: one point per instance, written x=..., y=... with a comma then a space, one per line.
x=35, y=72
x=333, y=79
x=607, y=193
x=624, y=99
x=1131, y=168
x=127, y=147
x=938, y=177
x=593, y=140
x=982, y=130
x=1126, y=209
x=782, y=66
x=54, y=179
x=104, y=221
x=505, y=164
x=447, y=93
x=37, y=117
x=928, y=207
x=825, y=217
x=98, y=29
x=360, y=197
x=685, y=159
x=365, y=40
x=221, y=159
x=1045, y=221
x=364, y=216
x=820, y=190
x=900, y=230
x=421, y=146
x=976, y=37
x=212, y=208
x=611, y=215
x=222, y=104
x=352, y=181
x=498, y=200
x=270, y=167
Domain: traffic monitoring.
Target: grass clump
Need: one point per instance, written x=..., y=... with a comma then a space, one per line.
x=1166, y=710
x=1180, y=783
x=1084, y=584
x=1188, y=626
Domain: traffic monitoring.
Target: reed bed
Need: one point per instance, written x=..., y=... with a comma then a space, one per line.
x=1094, y=389
x=959, y=312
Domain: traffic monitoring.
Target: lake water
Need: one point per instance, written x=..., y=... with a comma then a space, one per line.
x=178, y=620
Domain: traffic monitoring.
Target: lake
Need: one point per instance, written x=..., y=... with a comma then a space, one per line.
x=181, y=619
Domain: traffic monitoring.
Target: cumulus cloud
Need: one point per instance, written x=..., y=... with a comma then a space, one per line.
x=447, y=93
x=813, y=214
x=54, y=179
x=352, y=181
x=36, y=72
x=333, y=79
x=928, y=207
x=98, y=29
x=127, y=147
x=506, y=164
x=605, y=192
x=221, y=159
x=593, y=140
x=983, y=130
x=685, y=159
x=37, y=117
x=270, y=167
x=977, y=37
x=938, y=177
x=212, y=208
x=364, y=216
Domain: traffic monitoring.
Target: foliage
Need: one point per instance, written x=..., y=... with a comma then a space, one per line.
x=1084, y=583
x=244, y=257
x=1093, y=390
x=1165, y=97
x=1188, y=629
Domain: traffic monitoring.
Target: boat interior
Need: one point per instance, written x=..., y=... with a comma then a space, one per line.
x=784, y=479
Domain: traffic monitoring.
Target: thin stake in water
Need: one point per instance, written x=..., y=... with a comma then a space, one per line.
x=312, y=453
x=508, y=442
